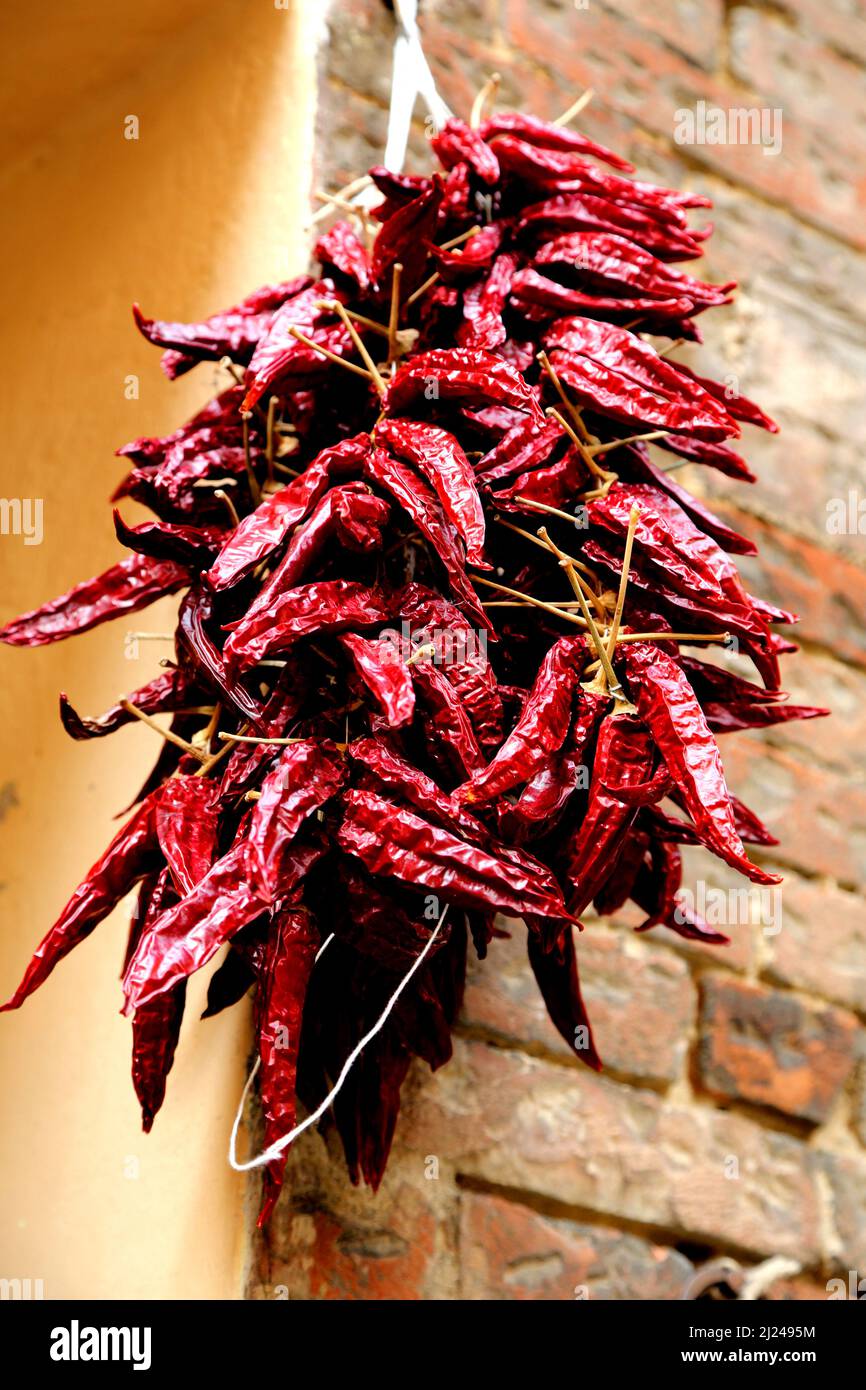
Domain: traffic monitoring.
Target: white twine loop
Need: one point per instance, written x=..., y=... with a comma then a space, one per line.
x=412, y=77
x=280, y=1145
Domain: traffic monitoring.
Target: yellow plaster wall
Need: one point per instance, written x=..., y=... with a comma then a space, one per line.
x=209, y=202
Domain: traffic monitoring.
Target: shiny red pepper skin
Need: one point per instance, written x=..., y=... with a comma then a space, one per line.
x=457, y=143
x=461, y=374
x=185, y=937
x=613, y=370
x=667, y=703
x=307, y=774
x=328, y=606
x=260, y=533
x=187, y=827
x=541, y=729
x=394, y=842
x=607, y=257
x=556, y=973
x=156, y=1027
x=437, y=455
x=293, y=940
x=127, y=587
x=625, y=756
x=132, y=854
x=169, y=691
x=541, y=298
x=483, y=305
x=385, y=674
x=547, y=136
x=233, y=333
x=585, y=211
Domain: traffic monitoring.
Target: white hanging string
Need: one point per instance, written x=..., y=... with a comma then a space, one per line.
x=412, y=77
x=280, y=1145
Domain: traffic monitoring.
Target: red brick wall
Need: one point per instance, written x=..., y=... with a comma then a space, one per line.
x=731, y=1117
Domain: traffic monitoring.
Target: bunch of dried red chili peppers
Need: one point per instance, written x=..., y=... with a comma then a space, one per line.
x=429, y=649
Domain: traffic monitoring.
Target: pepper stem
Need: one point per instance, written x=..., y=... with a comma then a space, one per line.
x=615, y=687
x=634, y=517
x=255, y=490
x=578, y=564
x=594, y=468
x=167, y=734
x=229, y=506
x=394, y=315
x=416, y=294
x=548, y=367
x=269, y=438
x=326, y=352
x=632, y=439
x=345, y=192
x=527, y=598
x=485, y=94
x=360, y=345
x=575, y=108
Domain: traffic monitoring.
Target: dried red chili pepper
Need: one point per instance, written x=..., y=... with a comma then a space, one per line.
x=437, y=454
x=385, y=674
x=169, y=691
x=459, y=374
x=233, y=333
x=132, y=854
x=541, y=728
x=484, y=303
x=541, y=298
x=332, y=605
x=666, y=701
x=549, y=137
x=260, y=533
x=306, y=776
x=130, y=585
x=617, y=373
x=185, y=937
x=156, y=1027
x=555, y=971
x=585, y=211
x=457, y=143
x=293, y=940
x=625, y=755
x=393, y=842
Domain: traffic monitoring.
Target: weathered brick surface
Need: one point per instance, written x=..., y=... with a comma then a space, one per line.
x=822, y=945
x=766, y=1047
x=508, y=1251
x=641, y=1001
x=517, y=1173
x=570, y=1136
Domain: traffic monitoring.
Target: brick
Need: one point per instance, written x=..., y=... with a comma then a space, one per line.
x=329, y=1240
x=822, y=944
x=766, y=1047
x=640, y=1001
x=827, y=591
x=818, y=814
x=646, y=83
x=586, y=1142
x=841, y=26
x=768, y=55
x=509, y=1252
x=843, y=1181
x=690, y=27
